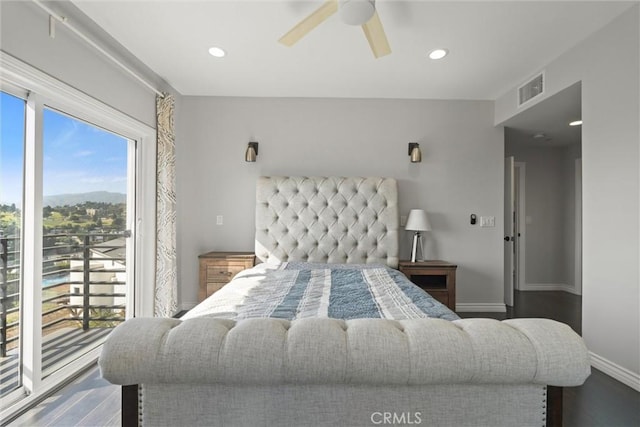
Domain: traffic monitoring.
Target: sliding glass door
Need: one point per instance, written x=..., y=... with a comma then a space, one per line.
x=77, y=229
x=67, y=213
x=84, y=239
x=66, y=217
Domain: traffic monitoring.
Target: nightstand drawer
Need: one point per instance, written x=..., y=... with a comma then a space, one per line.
x=218, y=268
x=437, y=278
x=223, y=272
x=442, y=296
x=214, y=287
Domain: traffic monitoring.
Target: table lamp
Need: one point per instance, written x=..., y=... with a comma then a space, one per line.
x=418, y=222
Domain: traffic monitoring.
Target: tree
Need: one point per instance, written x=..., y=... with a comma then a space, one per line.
x=118, y=223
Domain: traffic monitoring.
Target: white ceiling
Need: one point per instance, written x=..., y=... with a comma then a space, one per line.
x=494, y=46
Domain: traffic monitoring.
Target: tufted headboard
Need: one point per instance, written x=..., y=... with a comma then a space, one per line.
x=327, y=219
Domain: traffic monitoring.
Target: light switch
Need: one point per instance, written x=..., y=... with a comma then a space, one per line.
x=403, y=220
x=487, y=221
x=219, y=220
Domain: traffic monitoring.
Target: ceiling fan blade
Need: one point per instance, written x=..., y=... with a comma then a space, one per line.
x=316, y=18
x=376, y=37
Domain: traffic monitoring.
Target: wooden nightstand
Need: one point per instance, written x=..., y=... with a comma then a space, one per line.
x=218, y=268
x=438, y=278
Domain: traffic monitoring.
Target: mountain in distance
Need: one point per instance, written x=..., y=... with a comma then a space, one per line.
x=79, y=198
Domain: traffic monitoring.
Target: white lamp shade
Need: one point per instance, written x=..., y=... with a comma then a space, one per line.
x=417, y=221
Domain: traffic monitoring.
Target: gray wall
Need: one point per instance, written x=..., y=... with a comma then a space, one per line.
x=611, y=184
x=24, y=34
x=549, y=201
x=461, y=172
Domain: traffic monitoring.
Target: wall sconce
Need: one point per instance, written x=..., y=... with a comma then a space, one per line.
x=251, y=153
x=415, y=153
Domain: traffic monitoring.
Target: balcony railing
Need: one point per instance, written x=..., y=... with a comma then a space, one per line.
x=84, y=284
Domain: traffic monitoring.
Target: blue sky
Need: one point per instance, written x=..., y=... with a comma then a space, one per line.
x=78, y=157
x=11, y=151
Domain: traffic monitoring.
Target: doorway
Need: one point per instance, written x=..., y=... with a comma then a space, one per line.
x=547, y=183
x=515, y=229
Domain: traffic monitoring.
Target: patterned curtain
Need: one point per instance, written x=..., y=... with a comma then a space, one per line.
x=166, y=291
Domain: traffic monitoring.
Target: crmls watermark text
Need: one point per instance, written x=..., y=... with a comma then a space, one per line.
x=395, y=418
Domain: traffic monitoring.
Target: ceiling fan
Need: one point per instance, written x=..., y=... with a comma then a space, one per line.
x=352, y=12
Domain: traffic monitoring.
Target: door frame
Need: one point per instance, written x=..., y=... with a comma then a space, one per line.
x=577, y=262
x=521, y=226
x=519, y=257
x=509, y=230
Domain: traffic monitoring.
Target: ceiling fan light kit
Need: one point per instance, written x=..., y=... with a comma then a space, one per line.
x=354, y=12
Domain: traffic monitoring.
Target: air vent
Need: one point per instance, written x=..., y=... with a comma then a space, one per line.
x=531, y=89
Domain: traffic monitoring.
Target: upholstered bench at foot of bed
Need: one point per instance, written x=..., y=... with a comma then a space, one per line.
x=478, y=370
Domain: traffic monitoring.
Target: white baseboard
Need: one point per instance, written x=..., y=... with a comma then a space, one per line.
x=616, y=371
x=548, y=287
x=481, y=307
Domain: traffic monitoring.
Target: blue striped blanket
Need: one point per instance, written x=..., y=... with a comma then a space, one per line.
x=299, y=290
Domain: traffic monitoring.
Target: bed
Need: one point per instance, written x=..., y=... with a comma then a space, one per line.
x=324, y=331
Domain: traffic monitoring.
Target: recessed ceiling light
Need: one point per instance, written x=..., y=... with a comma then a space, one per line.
x=540, y=136
x=438, y=53
x=217, y=52
x=575, y=123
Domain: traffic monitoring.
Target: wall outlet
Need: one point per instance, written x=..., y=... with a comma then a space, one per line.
x=219, y=220
x=487, y=221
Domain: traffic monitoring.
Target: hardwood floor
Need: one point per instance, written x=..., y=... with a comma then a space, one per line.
x=557, y=305
x=601, y=401
x=88, y=401
x=58, y=348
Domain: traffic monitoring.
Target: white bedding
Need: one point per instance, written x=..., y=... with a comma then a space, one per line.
x=226, y=301
x=296, y=290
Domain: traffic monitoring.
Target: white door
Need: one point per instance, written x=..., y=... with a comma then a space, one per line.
x=509, y=230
